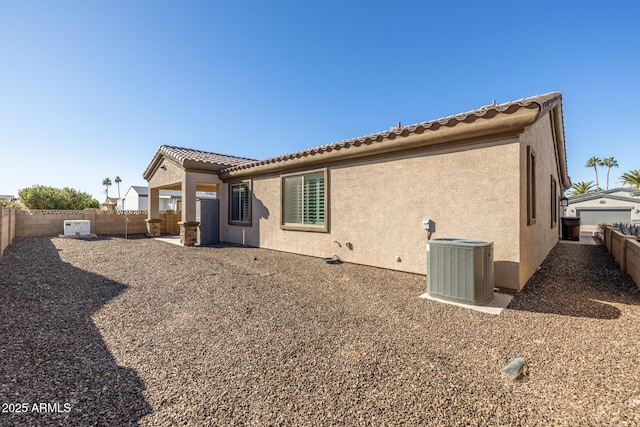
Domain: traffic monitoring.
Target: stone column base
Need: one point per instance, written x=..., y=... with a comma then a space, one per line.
x=189, y=232
x=153, y=227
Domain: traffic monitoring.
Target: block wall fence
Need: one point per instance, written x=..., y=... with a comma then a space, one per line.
x=626, y=251
x=36, y=223
x=7, y=227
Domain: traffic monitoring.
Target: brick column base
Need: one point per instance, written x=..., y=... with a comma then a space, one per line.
x=153, y=227
x=189, y=233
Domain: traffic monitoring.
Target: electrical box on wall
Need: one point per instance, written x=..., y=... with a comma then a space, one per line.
x=429, y=225
x=80, y=227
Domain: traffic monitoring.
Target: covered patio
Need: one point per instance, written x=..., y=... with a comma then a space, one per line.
x=187, y=170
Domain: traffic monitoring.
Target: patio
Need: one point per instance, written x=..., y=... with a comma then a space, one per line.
x=138, y=331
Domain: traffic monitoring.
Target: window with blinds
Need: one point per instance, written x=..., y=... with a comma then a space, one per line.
x=531, y=186
x=304, y=201
x=240, y=203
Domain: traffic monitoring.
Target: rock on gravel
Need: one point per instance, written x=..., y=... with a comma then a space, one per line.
x=140, y=332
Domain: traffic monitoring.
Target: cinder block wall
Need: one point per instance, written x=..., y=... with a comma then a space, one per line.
x=7, y=227
x=619, y=248
x=633, y=260
x=34, y=223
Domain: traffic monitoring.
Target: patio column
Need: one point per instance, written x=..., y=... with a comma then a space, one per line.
x=188, y=225
x=153, y=209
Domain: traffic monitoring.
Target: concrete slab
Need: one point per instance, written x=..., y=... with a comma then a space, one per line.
x=495, y=307
x=584, y=240
x=174, y=240
x=86, y=236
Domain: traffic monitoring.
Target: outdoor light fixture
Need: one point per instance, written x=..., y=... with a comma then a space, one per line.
x=564, y=201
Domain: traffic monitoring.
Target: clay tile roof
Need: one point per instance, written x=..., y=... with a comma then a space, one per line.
x=545, y=102
x=181, y=154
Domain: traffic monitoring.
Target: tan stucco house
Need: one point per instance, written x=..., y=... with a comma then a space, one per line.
x=109, y=204
x=495, y=173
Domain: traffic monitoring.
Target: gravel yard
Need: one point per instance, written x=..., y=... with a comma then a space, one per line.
x=126, y=332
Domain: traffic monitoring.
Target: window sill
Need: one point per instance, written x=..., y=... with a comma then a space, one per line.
x=311, y=228
x=241, y=224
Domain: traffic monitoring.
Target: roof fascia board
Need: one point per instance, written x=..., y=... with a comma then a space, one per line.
x=153, y=166
x=561, y=150
x=502, y=122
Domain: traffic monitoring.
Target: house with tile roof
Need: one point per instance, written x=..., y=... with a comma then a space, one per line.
x=495, y=173
x=109, y=204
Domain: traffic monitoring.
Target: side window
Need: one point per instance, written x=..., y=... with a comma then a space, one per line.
x=304, y=201
x=531, y=186
x=554, y=202
x=240, y=203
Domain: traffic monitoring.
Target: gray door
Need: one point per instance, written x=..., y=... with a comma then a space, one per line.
x=207, y=214
x=604, y=216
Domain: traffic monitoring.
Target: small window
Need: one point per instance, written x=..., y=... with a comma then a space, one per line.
x=304, y=205
x=554, y=202
x=240, y=203
x=531, y=186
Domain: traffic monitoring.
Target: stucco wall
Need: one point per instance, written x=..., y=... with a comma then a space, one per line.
x=536, y=240
x=378, y=206
x=619, y=243
x=633, y=260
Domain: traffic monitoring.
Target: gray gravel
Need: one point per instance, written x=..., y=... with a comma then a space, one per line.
x=140, y=331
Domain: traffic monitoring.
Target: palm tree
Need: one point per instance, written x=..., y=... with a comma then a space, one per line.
x=594, y=162
x=581, y=188
x=631, y=178
x=118, y=181
x=609, y=162
x=106, y=182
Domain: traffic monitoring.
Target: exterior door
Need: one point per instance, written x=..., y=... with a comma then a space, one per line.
x=208, y=215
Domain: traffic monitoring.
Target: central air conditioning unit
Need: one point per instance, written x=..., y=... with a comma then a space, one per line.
x=460, y=270
x=81, y=227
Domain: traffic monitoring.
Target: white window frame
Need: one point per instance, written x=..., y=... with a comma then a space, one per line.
x=301, y=225
x=247, y=187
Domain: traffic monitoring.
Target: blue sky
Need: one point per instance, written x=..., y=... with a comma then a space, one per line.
x=91, y=89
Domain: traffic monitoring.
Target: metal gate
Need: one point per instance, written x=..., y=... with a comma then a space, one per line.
x=207, y=214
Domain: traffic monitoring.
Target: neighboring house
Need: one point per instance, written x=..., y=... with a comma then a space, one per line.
x=495, y=173
x=137, y=198
x=109, y=204
x=7, y=198
x=619, y=205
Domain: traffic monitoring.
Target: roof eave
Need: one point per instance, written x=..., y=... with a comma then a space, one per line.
x=562, y=148
x=500, y=123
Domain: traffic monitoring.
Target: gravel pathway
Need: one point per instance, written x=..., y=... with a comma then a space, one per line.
x=127, y=332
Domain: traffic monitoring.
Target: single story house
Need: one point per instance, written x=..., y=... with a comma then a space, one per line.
x=495, y=173
x=618, y=205
x=137, y=199
x=109, y=204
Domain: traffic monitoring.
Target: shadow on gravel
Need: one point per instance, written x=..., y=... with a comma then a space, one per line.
x=578, y=281
x=55, y=369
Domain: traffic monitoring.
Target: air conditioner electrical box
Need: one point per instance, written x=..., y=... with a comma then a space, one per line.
x=80, y=227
